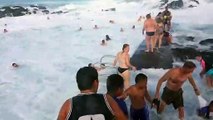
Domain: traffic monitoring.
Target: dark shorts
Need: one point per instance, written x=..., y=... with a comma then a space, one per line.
x=139, y=114
x=150, y=33
x=121, y=70
x=174, y=97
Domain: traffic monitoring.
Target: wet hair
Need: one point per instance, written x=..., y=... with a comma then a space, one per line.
x=15, y=65
x=103, y=41
x=189, y=64
x=140, y=77
x=159, y=13
x=85, y=77
x=114, y=82
x=148, y=16
x=124, y=46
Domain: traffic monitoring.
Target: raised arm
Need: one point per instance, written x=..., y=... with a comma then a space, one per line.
x=116, y=109
x=192, y=82
x=162, y=79
x=64, y=110
x=128, y=62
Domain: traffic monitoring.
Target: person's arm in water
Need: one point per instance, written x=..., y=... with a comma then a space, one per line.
x=192, y=82
x=128, y=62
x=148, y=97
x=64, y=110
x=162, y=79
x=116, y=109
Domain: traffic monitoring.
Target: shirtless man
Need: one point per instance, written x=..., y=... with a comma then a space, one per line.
x=137, y=94
x=167, y=17
x=124, y=63
x=89, y=105
x=150, y=27
x=173, y=92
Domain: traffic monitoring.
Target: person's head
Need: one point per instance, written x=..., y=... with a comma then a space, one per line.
x=121, y=30
x=125, y=48
x=188, y=67
x=15, y=65
x=211, y=106
x=159, y=13
x=133, y=27
x=198, y=57
x=148, y=16
x=103, y=42
x=96, y=26
x=141, y=80
x=87, y=79
x=115, y=84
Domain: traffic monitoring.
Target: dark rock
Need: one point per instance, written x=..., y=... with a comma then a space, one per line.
x=13, y=11
x=110, y=9
x=190, y=38
x=206, y=42
x=176, y=4
x=34, y=12
x=160, y=59
x=57, y=12
x=39, y=7
x=191, y=6
x=46, y=11
x=196, y=1
x=165, y=56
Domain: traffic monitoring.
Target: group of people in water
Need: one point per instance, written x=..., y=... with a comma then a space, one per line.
x=89, y=105
x=157, y=29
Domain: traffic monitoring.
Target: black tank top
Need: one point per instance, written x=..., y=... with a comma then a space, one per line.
x=90, y=107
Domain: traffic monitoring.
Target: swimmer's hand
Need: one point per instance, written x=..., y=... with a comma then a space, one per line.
x=155, y=103
x=197, y=92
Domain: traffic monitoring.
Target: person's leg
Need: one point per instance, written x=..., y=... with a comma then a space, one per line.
x=181, y=113
x=147, y=42
x=133, y=114
x=126, y=76
x=152, y=43
x=160, y=41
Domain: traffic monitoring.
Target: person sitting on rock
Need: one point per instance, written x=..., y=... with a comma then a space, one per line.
x=167, y=37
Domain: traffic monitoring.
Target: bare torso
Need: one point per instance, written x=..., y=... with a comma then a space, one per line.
x=121, y=56
x=150, y=25
x=137, y=97
x=176, y=79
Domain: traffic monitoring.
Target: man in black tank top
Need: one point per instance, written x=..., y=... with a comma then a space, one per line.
x=89, y=105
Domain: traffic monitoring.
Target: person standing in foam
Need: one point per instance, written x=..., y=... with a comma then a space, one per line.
x=88, y=105
x=123, y=59
x=173, y=93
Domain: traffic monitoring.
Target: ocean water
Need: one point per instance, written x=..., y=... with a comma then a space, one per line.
x=51, y=51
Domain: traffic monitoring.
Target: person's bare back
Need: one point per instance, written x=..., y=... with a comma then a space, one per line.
x=150, y=25
x=122, y=59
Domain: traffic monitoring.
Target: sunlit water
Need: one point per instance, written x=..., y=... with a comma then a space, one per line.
x=51, y=51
